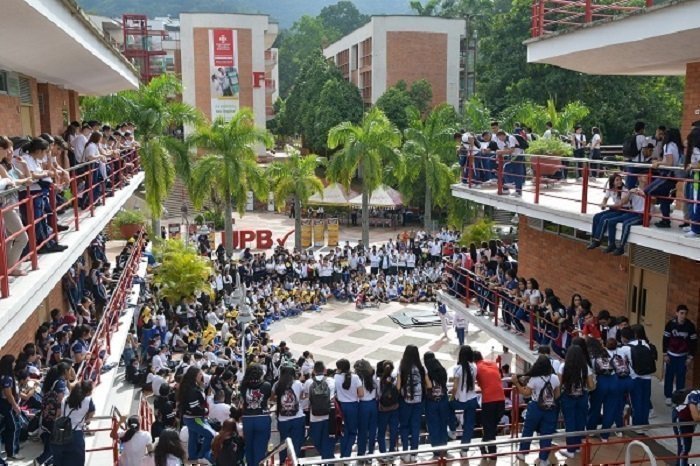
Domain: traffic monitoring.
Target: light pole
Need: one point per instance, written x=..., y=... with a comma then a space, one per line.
x=245, y=314
x=469, y=79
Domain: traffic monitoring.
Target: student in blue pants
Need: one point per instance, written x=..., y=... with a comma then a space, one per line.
x=464, y=396
x=255, y=394
x=412, y=382
x=541, y=385
x=349, y=390
x=319, y=420
x=287, y=393
x=437, y=406
x=604, y=395
x=576, y=381
x=367, y=414
x=388, y=406
x=620, y=357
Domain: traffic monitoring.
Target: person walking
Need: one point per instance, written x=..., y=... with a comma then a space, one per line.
x=460, y=325
x=680, y=343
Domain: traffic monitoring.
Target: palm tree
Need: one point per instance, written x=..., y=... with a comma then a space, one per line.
x=296, y=177
x=365, y=149
x=155, y=112
x=428, y=149
x=229, y=168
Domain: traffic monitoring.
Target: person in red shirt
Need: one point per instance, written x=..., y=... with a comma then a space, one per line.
x=493, y=401
x=590, y=326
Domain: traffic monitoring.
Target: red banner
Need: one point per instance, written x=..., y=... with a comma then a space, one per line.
x=223, y=47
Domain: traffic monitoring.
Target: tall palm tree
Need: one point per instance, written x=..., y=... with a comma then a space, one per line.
x=155, y=112
x=364, y=148
x=229, y=168
x=296, y=177
x=428, y=151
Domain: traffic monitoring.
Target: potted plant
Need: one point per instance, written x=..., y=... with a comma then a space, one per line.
x=129, y=222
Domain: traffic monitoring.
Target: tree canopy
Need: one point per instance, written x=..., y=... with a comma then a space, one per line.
x=398, y=99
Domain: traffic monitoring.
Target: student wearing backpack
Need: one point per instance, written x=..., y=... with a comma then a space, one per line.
x=76, y=409
x=349, y=390
x=642, y=369
x=388, y=406
x=687, y=411
x=541, y=385
x=437, y=407
x=680, y=343
x=620, y=357
x=464, y=396
x=193, y=407
x=255, y=394
x=286, y=393
x=632, y=149
x=367, y=414
x=54, y=389
x=412, y=382
x=320, y=390
x=9, y=407
x=576, y=381
x=602, y=397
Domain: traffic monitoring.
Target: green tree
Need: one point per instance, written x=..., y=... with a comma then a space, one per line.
x=230, y=168
x=295, y=177
x=155, y=113
x=365, y=148
x=477, y=117
x=429, y=151
x=397, y=99
x=182, y=272
x=343, y=17
x=422, y=95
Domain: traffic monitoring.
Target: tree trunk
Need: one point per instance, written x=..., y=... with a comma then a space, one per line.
x=155, y=225
x=365, y=216
x=228, y=225
x=297, y=223
x=428, y=215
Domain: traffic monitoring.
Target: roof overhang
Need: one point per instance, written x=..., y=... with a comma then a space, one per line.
x=658, y=41
x=54, y=41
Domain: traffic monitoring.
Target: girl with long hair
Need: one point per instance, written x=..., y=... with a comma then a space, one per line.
x=576, y=381
x=604, y=394
x=169, y=450
x=388, y=405
x=193, y=407
x=541, y=385
x=9, y=407
x=436, y=404
x=616, y=192
x=255, y=393
x=349, y=390
x=136, y=443
x=367, y=425
x=641, y=383
x=286, y=393
x=78, y=406
x=227, y=449
x=464, y=392
x=412, y=382
x=621, y=361
x=9, y=178
x=54, y=389
x=662, y=187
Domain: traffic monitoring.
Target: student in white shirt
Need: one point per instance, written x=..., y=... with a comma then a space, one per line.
x=79, y=142
x=219, y=409
x=136, y=443
x=286, y=393
x=596, y=142
x=367, y=413
x=77, y=406
x=641, y=383
x=464, y=392
x=349, y=391
x=318, y=423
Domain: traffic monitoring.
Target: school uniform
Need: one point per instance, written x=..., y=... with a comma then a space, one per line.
x=681, y=413
x=574, y=408
x=465, y=400
x=319, y=425
x=73, y=454
x=291, y=424
x=538, y=419
x=641, y=392
x=350, y=405
x=367, y=422
x=411, y=409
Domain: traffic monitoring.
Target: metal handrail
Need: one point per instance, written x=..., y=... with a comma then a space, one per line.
x=288, y=445
x=459, y=446
x=646, y=449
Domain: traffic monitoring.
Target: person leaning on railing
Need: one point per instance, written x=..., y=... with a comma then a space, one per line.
x=662, y=185
x=692, y=186
x=11, y=178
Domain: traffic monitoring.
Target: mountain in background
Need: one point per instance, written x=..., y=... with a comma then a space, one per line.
x=283, y=11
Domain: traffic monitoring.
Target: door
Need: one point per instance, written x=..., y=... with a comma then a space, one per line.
x=26, y=118
x=648, y=293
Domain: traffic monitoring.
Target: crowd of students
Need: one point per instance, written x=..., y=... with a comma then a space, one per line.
x=41, y=166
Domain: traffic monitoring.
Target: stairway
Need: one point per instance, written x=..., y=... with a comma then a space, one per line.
x=502, y=217
x=177, y=197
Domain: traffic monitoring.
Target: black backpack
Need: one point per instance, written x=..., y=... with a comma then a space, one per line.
x=522, y=142
x=622, y=368
x=288, y=404
x=50, y=407
x=62, y=431
x=389, y=398
x=546, y=400
x=629, y=147
x=319, y=398
x=643, y=359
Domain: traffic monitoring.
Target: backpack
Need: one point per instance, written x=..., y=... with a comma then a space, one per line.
x=320, y=398
x=629, y=147
x=436, y=392
x=442, y=309
x=620, y=365
x=603, y=366
x=62, y=431
x=575, y=390
x=546, y=400
x=288, y=404
x=389, y=398
x=522, y=142
x=643, y=359
x=678, y=397
x=50, y=407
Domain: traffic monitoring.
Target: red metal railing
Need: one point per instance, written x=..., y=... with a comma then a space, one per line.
x=113, y=430
x=145, y=413
x=550, y=16
x=81, y=189
x=544, y=171
x=100, y=344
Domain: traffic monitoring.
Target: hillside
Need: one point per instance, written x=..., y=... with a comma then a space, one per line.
x=283, y=11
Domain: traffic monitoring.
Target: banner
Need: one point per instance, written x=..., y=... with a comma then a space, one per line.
x=305, y=233
x=223, y=64
x=174, y=230
x=319, y=232
x=333, y=232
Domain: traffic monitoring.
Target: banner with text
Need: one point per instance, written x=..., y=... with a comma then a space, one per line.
x=223, y=64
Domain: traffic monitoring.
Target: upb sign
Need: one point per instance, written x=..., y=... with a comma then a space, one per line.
x=258, y=239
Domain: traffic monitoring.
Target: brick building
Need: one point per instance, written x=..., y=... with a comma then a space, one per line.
x=389, y=49
x=228, y=63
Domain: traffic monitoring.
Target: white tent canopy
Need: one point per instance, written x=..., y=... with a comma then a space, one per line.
x=383, y=197
x=333, y=194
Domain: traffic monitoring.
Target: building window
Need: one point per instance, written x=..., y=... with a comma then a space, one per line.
x=566, y=231
x=366, y=53
x=354, y=58
x=3, y=82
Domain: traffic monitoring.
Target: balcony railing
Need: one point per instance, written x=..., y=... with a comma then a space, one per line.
x=547, y=180
x=85, y=195
x=552, y=16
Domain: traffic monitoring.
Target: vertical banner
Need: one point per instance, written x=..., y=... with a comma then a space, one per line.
x=319, y=232
x=223, y=64
x=305, y=233
x=333, y=232
x=174, y=230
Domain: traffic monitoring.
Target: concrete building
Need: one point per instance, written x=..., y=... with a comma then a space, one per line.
x=388, y=49
x=228, y=63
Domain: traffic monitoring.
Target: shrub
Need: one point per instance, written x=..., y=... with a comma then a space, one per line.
x=551, y=146
x=129, y=217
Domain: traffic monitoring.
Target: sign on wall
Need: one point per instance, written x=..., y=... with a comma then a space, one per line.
x=223, y=64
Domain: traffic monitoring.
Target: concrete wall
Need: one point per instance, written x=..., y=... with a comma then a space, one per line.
x=691, y=98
